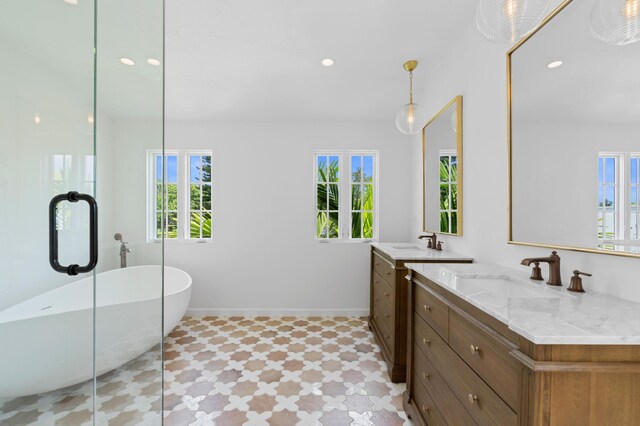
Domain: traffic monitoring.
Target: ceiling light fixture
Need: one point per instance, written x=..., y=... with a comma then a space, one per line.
x=73, y=2
x=616, y=22
x=153, y=61
x=406, y=119
x=509, y=20
x=327, y=62
x=127, y=61
x=554, y=64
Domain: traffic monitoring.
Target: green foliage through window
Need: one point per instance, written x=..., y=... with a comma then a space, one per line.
x=448, y=193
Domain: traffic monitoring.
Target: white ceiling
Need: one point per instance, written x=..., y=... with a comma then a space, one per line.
x=240, y=60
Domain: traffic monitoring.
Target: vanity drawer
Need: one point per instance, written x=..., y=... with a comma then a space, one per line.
x=386, y=327
x=384, y=269
x=426, y=407
x=382, y=291
x=424, y=372
x=480, y=401
x=433, y=310
x=487, y=355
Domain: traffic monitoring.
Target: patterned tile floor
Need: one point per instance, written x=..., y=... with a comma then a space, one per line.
x=237, y=371
x=127, y=396
x=278, y=371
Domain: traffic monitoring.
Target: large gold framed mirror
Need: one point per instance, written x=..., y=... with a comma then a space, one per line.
x=574, y=121
x=442, y=171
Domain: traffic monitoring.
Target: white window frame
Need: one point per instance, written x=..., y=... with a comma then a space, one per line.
x=622, y=207
x=448, y=153
x=344, y=186
x=374, y=182
x=183, y=201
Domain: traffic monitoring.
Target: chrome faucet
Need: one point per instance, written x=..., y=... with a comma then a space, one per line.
x=554, y=268
x=433, y=239
x=123, y=250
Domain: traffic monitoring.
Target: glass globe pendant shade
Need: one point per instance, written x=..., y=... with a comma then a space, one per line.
x=407, y=119
x=509, y=20
x=616, y=22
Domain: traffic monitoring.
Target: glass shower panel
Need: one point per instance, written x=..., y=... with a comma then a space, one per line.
x=46, y=149
x=129, y=127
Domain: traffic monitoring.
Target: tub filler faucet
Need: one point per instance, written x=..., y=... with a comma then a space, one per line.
x=123, y=250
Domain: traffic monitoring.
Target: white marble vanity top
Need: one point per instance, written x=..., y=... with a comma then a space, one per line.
x=413, y=251
x=541, y=313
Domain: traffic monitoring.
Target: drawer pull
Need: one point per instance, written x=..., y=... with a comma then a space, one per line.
x=426, y=341
x=377, y=299
x=386, y=337
x=427, y=307
x=474, y=349
x=386, y=293
x=388, y=272
x=473, y=399
x=377, y=263
x=425, y=409
x=386, y=315
x=425, y=375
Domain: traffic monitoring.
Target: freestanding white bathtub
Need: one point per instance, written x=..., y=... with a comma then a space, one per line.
x=46, y=342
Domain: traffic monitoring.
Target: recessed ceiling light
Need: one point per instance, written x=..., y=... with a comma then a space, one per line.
x=153, y=61
x=127, y=61
x=554, y=64
x=327, y=62
x=73, y=2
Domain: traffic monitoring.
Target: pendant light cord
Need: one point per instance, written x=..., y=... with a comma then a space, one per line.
x=410, y=87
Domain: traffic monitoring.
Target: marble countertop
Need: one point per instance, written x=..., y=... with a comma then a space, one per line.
x=538, y=312
x=413, y=251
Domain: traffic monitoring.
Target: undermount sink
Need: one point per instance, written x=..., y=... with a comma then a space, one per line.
x=406, y=247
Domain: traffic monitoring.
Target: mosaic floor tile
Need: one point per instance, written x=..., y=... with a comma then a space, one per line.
x=278, y=371
x=230, y=371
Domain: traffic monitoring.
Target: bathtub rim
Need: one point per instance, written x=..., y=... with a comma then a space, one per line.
x=89, y=277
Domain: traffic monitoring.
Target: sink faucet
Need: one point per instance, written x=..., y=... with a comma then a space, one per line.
x=123, y=250
x=433, y=239
x=554, y=267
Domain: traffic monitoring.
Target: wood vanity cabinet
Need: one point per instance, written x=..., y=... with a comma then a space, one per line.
x=388, y=308
x=465, y=367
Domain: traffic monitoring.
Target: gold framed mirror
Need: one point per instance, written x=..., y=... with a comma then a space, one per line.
x=573, y=119
x=442, y=171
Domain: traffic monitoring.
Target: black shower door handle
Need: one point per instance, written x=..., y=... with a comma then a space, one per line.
x=73, y=197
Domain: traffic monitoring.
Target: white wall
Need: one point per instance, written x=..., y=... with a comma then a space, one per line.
x=475, y=69
x=263, y=256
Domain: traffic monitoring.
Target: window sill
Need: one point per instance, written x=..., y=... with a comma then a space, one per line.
x=345, y=241
x=172, y=241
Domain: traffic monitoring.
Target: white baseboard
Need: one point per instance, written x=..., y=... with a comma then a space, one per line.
x=201, y=312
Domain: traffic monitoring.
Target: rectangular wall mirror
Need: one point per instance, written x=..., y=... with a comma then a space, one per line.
x=574, y=116
x=442, y=171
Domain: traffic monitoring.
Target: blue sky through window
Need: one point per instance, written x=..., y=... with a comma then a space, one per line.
x=172, y=168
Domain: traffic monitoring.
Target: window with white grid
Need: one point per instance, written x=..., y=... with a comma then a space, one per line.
x=181, y=208
x=346, y=195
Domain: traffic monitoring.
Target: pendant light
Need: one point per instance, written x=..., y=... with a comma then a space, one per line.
x=407, y=117
x=509, y=20
x=616, y=22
